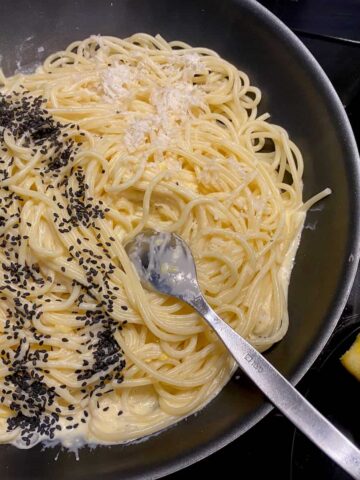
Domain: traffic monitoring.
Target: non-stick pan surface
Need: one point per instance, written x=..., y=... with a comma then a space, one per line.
x=301, y=99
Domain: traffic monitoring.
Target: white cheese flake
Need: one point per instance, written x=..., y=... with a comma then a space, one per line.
x=116, y=81
x=189, y=64
x=193, y=60
x=136, y=133
x=175, y=102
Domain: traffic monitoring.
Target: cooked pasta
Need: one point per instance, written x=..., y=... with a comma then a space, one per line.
x=106, y=138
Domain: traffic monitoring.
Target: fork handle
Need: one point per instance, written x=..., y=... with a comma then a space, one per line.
x=282, y=394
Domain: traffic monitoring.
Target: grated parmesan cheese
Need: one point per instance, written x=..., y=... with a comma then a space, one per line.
x=171, y=104
x=136, y=133
x=189, y=64
x=193, y=65
x=116, y=81
x=209, y=172
x=176, y=100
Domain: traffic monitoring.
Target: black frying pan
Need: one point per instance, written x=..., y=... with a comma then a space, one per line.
x=300, y=98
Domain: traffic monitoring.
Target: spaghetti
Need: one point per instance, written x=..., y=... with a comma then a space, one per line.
x=106, y=138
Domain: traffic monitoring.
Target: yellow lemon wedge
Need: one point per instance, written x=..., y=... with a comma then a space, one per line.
x=351, y=358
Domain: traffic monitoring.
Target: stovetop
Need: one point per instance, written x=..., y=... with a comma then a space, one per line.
x=273, y=448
